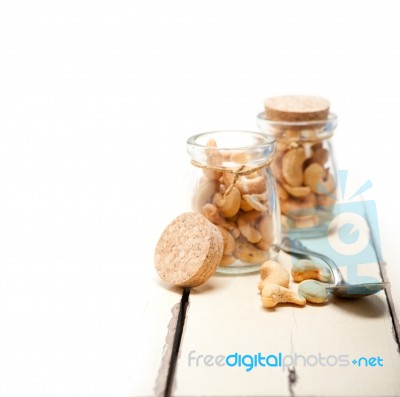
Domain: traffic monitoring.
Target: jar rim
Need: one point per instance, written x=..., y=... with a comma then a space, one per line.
x=331, y=120
x=268, y=140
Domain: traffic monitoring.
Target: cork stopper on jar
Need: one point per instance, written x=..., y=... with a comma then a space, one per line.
x=296, y=108
x=188, y=251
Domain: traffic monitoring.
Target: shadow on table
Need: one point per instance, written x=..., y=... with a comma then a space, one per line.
x=204, y=288
x=372, y=306
x=172, y=288
x=220, y=281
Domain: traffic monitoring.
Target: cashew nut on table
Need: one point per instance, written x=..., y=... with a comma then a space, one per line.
x=305, y=269
x=272, y=294
x=273, y=272
x=313, y=291
x=275, y=279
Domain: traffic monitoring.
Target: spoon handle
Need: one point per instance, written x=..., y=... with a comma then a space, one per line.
x=294, y=246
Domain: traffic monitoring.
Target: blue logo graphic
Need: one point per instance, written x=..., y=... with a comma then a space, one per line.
x=352, y=237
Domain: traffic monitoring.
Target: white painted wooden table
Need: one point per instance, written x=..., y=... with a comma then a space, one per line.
x=225, y=316
x=83, y=313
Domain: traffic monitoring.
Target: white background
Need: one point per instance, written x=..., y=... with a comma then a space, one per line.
x=97, y=99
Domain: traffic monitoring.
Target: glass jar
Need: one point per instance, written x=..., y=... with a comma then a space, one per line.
x=232, y=186
x=305, y=173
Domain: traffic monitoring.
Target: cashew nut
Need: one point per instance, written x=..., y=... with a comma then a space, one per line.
x=326, y=201
x=233, y=219
x=210, y=211
x=264, y=245
x=246, y=252
x=222, y=188
x=254, y=174
x=273, y=272
x=319, y=156
x=229, y=241
x=211, y=174
x=282, y=193
x=319, y=181
x=230, y=204
x=233, y=228
x=239, y=157
x=245, y=206
x=255, y=201
x=246, y=224
x=305, y=269
x=305, y=221
x=227, y=178
x=247, y=184
x=227, y=260
x=255, y=185
x=204, y=194
x=272, y=294
x=294, y=207
x=214, y=157
x=316, y=146
x=266, y=229
x=281, y=146
x=293, y=134
x=313, y=291
x=297, y=191
x=292, y=166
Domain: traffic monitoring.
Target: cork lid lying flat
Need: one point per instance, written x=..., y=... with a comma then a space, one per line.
x=296, y=108
x=188, y=251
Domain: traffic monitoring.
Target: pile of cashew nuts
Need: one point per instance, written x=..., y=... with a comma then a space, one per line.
x=306, y=187
x=242, y=215
x=275, y=279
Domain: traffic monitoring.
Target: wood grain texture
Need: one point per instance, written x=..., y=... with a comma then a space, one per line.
x=226, y=316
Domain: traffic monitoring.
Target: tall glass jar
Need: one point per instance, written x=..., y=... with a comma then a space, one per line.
x=303, y=167
x=233, y=187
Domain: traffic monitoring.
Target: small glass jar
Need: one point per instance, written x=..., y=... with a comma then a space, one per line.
x=305, y=173
x=232, y=186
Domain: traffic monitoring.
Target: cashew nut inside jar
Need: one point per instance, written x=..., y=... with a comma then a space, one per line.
x=303, y=165
x=231, y=184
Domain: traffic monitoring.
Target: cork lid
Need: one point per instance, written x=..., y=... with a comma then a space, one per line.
x=296, y=108
x=188, y=251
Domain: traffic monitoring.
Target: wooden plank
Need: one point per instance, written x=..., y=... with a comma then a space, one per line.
x=75, y=320
x=226, y=316
x=82, y=311
x=389, y=259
